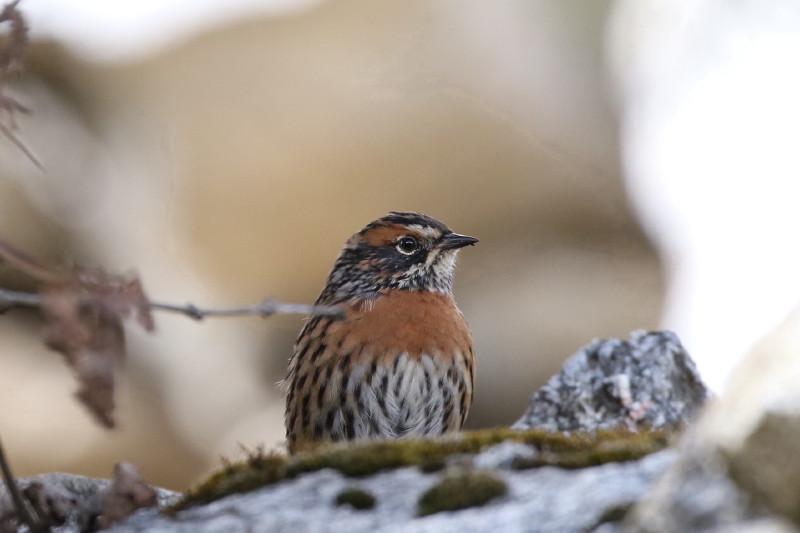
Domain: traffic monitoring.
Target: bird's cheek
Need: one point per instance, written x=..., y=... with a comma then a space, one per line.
x=433, y=257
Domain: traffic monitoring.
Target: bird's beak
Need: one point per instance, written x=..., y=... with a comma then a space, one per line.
x=451, y=241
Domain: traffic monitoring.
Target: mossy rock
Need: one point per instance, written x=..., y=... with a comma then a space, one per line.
x=362, y=458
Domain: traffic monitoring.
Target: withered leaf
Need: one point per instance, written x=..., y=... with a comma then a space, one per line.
x=120, y=295
x=94, y=365
x=84, y=314
x=66, y=331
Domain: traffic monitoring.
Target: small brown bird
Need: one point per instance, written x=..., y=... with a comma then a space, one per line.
x=400, y=362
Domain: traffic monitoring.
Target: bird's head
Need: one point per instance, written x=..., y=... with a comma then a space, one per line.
x=402, y=250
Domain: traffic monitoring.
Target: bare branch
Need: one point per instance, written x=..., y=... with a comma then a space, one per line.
x=20, y=144
x=12, y=49
x=9, y=299
x=84, y=310
x=31, y=266
x=268, y=307
x=84, y=318
x=24, y=512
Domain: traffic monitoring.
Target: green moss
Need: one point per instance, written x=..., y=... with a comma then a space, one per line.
x=356, y=498
x=364, y=458
x=258, y=470
x=583, y=450
x=616, y=513
x=471, y=488
x=433, y=463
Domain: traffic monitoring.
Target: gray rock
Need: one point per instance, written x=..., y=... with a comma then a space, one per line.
x=544, y=499
x=85, y=494
x=647, y=381
x=739, y=464
x=695, y=494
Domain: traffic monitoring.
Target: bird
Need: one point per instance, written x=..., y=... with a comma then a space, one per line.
x=399, y=363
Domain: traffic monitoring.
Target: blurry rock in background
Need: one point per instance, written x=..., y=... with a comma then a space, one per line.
x=233, y=166
x=738, y=463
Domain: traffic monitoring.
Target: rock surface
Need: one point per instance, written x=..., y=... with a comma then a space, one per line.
x=543, y=499
x=76, y=500
x=646, y=381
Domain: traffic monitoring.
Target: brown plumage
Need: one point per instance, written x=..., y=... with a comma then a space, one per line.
x=400, y=363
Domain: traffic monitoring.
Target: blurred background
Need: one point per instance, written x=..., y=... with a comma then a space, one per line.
x=226, y=153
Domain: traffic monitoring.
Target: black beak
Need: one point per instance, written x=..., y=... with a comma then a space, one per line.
x=451, y=241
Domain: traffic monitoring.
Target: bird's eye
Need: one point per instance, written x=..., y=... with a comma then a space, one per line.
x=407, y=245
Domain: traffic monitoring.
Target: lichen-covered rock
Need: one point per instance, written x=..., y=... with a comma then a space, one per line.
x=739, y=463
x=535, y=499
x=72, y=502
x=695, y=494
x=646, y=381
x=489, y=449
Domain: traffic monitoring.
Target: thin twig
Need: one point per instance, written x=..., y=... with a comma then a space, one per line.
x=12, y=48
x=20, y=144
x=23, y=511
x=268, y=307
x=9, y=299
x=24, y=262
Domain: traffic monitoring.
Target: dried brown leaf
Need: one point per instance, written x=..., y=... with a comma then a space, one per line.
x=128, y=492
x=66, y=331
x=120, y=295
x=94, y=366
x=84, y=317
x=91, y=340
